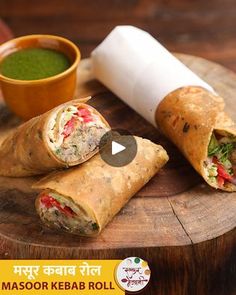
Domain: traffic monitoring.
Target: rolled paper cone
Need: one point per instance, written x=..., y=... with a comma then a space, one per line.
x=139, y=70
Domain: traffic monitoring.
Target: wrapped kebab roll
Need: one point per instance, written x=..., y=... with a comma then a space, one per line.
x=65, y=136
x=83, y=199
x=195, y=121
x=169, y=95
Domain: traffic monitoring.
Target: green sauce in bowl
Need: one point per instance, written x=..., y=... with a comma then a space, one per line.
x=34, y=64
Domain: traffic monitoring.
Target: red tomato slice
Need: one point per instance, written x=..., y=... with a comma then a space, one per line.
x=67, y=211
x=85, y=114
x=50, y=202
x=87, y=119
x=223, y=173
x=45, y=199
x=220, y=181
x=69, y=127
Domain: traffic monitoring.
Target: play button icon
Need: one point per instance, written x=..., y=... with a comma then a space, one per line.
x=118, y=147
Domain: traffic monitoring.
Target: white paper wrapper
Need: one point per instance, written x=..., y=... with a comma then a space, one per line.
x=139, y=70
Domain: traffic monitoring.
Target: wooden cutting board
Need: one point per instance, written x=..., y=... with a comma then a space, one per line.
x=181, y=226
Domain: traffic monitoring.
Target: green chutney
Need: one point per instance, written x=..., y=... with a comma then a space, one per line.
x=34, y=64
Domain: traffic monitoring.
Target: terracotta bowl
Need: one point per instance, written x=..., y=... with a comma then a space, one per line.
x=29, y=98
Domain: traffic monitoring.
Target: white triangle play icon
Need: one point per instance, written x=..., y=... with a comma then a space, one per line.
x=116, y=148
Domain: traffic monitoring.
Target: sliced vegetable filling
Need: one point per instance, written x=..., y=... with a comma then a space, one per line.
x=49, y=202
x=75, y=132
x=63, y=214
x=221, y=161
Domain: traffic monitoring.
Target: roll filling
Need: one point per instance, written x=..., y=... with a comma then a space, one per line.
x=71, y=126
x=66, y=215
x=220, y=164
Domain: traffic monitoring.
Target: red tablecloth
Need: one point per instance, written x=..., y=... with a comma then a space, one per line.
x=5, y=32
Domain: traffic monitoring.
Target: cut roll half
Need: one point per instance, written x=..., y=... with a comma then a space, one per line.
x=74, y=133
x=83, y=199
x=61, y=213
x=65, y=136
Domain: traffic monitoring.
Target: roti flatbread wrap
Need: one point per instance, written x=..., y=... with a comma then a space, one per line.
x=194, y=119
x=83, y=199
x=64, y=136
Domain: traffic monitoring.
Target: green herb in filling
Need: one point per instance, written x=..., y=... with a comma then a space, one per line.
x=213, y=145
x=58, y=151
x=221, y=150
x=95, y=226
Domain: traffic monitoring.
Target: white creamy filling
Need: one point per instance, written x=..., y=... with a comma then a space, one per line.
x=79, y=223
x=211, y=171
x=56, y=125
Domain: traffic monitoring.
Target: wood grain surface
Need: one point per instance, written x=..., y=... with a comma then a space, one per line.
x=182, y=227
